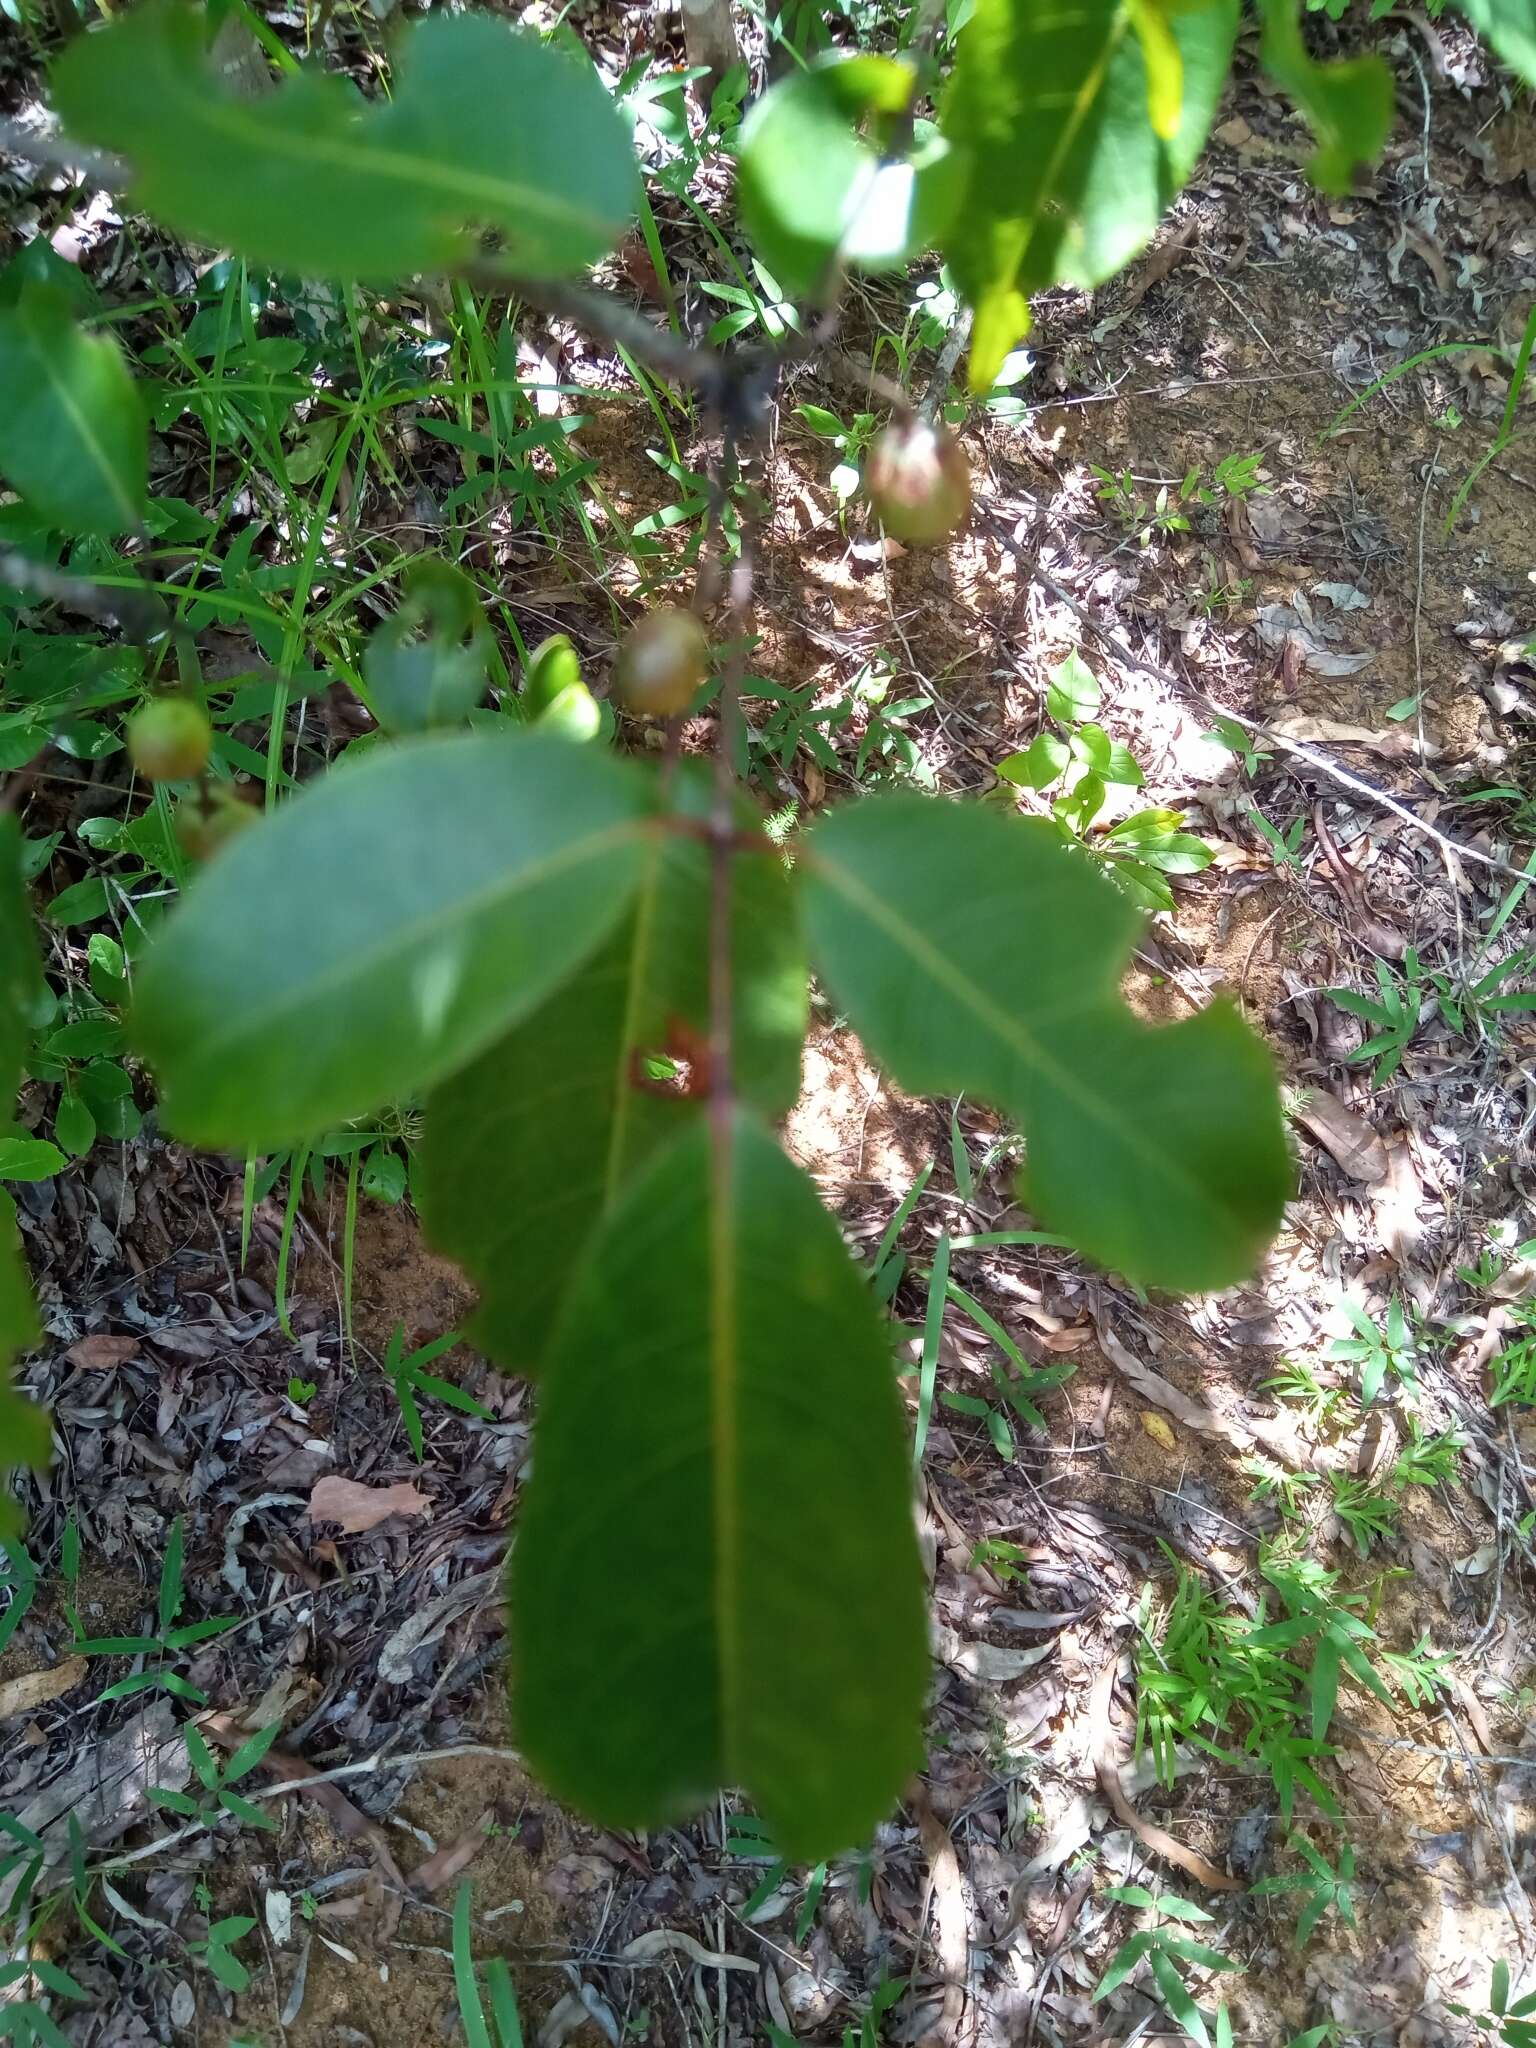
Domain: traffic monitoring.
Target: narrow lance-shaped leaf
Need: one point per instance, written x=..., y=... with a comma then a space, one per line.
x=530, y=1145
x=716, y=1578
x=977, y=954
x=382, y=928
x=1076, y=150
x=73, y=438
x=488, y=130
x=25, y=1438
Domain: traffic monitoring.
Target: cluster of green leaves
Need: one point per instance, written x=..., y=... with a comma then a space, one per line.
x=518, y=931
x=1082, y=762
x=25, y=1438
x=1214, y=1677
x=1511, y=2022
x=168, y=1644
x=1167, y=1955
x=1403, y=998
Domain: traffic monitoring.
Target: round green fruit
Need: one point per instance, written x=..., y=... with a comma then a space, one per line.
x=661, y=663
x=169, y=739
x=918, y=481
x=575, y=714
x=554, y=666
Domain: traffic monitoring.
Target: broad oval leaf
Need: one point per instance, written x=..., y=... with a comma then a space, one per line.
x=720, y=1420
x=381, y=929
x=1069, y=174
x=73, y=438
x=489, y=129
x=977, y=954
x=812, y=192
x=528, y=1147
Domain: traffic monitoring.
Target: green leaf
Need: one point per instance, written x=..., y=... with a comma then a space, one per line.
x=977, y=954
x=527, y=1148
x=1073, y=692
x=1041, y=762
x=1069, y=175
x=20, y=977
x=720, y=1412
x=1510, y=25
x=73, y=438
x=381, y=929
x=428, y=664
x=813, y=192
x=1177, y=1998
x=30, y=1159
x=488, y=129
x=1349, y=104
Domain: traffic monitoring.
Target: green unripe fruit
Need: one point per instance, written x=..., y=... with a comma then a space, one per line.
x=918, y=481
x=575, y=714
x=169, y=740
x=203, y=828
x=553, y=667
x=662, y=661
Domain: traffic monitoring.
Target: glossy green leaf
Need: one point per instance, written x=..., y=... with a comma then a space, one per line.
x=73, y=438
x=720, y=1424
x=382, y=929
x=488, y=130
x=524, y=1150
x=1510, y=26
x=1069, y=176
x=1348, y=104
x=977, y=954
x=815, y=194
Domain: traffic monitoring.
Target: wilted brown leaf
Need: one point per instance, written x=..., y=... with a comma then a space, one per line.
x=96, y=1354
x=359, y=1508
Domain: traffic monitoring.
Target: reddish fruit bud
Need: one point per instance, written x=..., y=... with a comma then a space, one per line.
x=169, y=740
x=662, y=662
x=918, y=481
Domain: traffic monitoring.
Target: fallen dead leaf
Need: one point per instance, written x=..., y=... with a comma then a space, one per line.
x=36, y=1688
x=1159, y=1431
x=97, y=1354
x=454, y=1857
x=359, y=1508
x=657, y=1942
x=1303, y=726
x=1349, y=1138
x=951, y=1916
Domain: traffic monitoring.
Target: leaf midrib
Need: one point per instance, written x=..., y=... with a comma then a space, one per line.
x=227, y=121
x=1005, y=1026
x=81, y=424
x=405, y=937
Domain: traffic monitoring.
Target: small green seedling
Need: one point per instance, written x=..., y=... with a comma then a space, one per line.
x=1293, y=1380
x=1081, y=763
x=24, y=2020
x=1422, y=1673
x=1377, y=1349
x=1394, y=1011
x=1164, y=1951
x=405, y=1375
x=216, y=1951
x=1514, y=1366
x=1326, y=1889
x=1512, y=2024
x=1226, y=732
x=170, y=1641
x=1428, y=1460
x=1286, y=845
x=216, y=1780
x=1368, y=1516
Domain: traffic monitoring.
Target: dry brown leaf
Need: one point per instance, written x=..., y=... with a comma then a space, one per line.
x=1303, y=726
x=35, y=1689
x=1349, y=1138
x=96, y=1354
x=1153, y=1839
x=658, y=1942
x=359, y=1508
x=453, y=1857
x=951, y=1919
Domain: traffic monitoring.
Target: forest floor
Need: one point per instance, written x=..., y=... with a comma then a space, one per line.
x=1313, y=590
